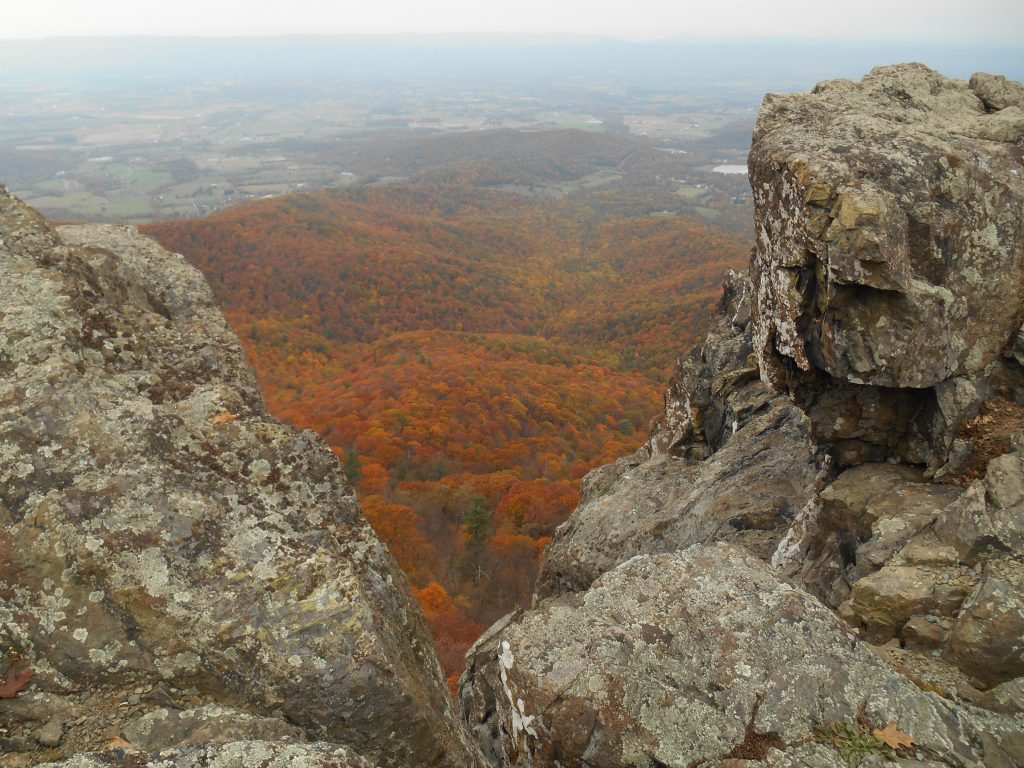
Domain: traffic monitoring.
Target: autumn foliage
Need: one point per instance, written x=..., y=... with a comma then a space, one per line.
x=468, y=354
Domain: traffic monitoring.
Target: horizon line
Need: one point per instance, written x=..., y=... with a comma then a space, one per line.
x=551, y=38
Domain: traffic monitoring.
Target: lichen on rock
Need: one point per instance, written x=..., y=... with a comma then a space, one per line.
x=888, y=267
x=159, y=528
x=694, y=657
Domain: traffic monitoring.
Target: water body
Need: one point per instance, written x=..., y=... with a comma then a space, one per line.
x=730, y=169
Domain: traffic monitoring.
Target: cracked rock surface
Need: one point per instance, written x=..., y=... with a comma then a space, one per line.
x=694, y=658
x=163, y=538
x=889, y=259
x=728, y=460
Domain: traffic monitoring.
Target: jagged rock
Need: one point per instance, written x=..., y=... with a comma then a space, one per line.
x=996, y=92
x=239, y=754
x=888, y=266
x=967, y=527
x=990, y=515
x=885, y=601
x=160, y=529
x=856, y=525
x=988, y=637
x=729, y=460
x=701, y=657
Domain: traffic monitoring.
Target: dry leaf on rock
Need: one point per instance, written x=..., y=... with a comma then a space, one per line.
x=892, y=736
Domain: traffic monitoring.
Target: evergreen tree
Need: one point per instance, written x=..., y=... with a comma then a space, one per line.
x=353, y=466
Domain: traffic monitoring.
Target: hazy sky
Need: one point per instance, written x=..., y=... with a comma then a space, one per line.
x=911, y=20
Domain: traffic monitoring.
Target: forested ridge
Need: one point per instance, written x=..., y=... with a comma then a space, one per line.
x=469, y=354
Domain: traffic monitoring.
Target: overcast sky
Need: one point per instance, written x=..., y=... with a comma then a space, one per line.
x=968, y=21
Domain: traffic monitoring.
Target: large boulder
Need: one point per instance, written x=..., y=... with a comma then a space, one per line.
x=162, y=534
x=728, y=460
x=703, y=657
x=889, y=259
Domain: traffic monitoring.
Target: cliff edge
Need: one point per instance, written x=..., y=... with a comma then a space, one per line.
x=180, y=570
x=818, y=558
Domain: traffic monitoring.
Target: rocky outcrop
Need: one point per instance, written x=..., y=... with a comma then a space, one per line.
x=166, y=545
x=818, y=558
x=729, y=460
x=889, y=258
x=701, y=658
x=239, y=754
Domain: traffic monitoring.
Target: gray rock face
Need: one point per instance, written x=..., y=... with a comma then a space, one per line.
x=729, y=460
x=160, y=529
x=938, y=569
x=696, y=658
x=888, y=264
x=236, y=754
x=886, y=306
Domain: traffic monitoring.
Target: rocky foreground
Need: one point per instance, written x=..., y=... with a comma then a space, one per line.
x=817, y=560
x=179, y=569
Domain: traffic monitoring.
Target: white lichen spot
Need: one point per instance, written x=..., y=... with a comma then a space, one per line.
x=522, y=723
x=259, y=470
x=96, y=597
x=81, y=634
x=295, y=660
x=103, y=656
x=152, y=572
x=169, y=668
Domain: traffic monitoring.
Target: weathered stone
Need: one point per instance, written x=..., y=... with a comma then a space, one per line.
x=160, y=527
x=239, y=754
x=885, y=601
x=988, y=637
x=1004, y=493
x=890, y=228
x=929, y=551
x=695, y=658
x=856, y=525
x=989, y=517
x=729, y=460
x=923, y=634
x=1006, y=698
x=996, y=92
x=966, y=526
x=949, y=598
x=50, y=735
x=165, y=728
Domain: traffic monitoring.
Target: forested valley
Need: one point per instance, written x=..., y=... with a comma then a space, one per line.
x=468, y=353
